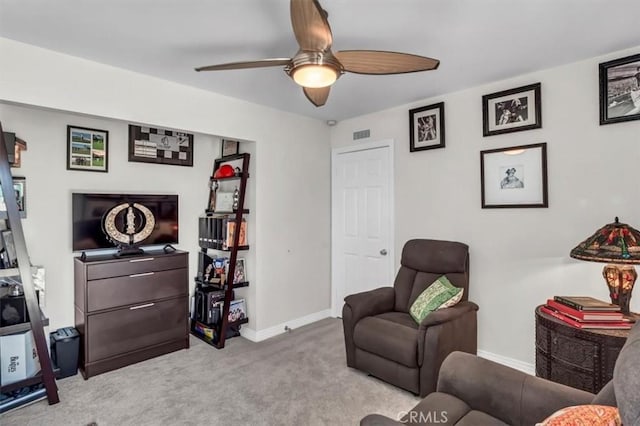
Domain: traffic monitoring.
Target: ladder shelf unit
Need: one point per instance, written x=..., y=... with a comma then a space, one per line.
x=217, y=333
x=38, y=321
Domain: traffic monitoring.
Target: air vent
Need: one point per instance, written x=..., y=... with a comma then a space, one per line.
x=361, y=134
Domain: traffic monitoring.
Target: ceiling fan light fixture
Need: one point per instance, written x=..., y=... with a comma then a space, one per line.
x=315, y=67
x=314, y=76
x=314, y=70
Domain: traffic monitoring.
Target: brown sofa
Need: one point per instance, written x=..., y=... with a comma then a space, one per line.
x=474, y=391
x=381, y=337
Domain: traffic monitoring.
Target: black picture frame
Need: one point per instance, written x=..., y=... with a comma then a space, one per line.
x=87, y=149
x=514, y=177
x=426, y=127
x=229, y=147
x=8, y=254
x=20, y=187
x=620, y=90
x=509, y=111
x=160, y=146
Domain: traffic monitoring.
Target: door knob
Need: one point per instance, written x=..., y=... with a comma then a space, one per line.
x=383, y=252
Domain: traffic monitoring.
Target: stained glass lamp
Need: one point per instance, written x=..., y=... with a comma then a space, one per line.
x=618, y=245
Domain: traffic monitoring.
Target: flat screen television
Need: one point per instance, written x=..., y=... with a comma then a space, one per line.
x=89, y=214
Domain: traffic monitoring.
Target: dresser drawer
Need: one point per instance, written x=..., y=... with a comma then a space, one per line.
x=136, y=288
x=573, y=350
x=137, y=265
x=129, y=329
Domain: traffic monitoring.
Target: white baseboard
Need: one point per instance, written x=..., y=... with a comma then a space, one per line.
x=509, y=362
x=260, y=335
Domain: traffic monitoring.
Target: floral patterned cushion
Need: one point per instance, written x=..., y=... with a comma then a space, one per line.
x=584, y=415
x=440, y=294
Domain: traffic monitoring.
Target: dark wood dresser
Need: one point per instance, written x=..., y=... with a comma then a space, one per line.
x=130, y=309
x=582, y=359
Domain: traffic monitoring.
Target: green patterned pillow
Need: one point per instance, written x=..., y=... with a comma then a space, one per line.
x=440, y=293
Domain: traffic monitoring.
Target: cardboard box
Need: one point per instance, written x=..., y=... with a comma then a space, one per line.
x=18, y=357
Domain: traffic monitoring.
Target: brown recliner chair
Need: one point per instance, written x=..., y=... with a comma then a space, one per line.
x=382, y=338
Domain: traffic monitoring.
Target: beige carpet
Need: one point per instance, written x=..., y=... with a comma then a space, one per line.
x=299, y=378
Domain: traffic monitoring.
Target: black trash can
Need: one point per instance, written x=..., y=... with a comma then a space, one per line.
x=65, y=346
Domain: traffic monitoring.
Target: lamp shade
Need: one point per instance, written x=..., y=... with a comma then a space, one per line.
x=613, y=243
x=315, y=76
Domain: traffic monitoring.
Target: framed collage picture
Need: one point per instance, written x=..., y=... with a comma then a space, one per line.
x=87, y=149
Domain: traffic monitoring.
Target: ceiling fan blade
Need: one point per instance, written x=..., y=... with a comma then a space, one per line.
x=248, y=64
x=317, y=96
x=381, y=62
x=310, y=25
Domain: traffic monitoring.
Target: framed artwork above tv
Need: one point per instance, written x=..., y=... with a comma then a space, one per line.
x=160, y=146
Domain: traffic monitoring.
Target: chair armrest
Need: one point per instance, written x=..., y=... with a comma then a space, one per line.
x=370, y=303
x=360, y=305
x=503, y=392
x=448, y=314
x=441, y=333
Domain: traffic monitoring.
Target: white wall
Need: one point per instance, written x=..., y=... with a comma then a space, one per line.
x=519, y=257
x=290, y=238
x=49, y=186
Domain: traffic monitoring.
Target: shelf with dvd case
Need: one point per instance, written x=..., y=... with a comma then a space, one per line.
x=218, y=232
x=214, y=296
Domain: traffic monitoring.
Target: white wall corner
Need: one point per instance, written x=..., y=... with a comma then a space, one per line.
x=525, y=367
x=260, y=335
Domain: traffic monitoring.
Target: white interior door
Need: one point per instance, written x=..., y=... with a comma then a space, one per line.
x=362, y=225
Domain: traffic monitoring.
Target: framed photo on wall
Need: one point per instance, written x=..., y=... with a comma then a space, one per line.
x=620, y=90
x=514, y=177
x=426, y=127
x=87, y=149
x=512, y=110
x=160, y=146
x=229, y=147
x=20, y=188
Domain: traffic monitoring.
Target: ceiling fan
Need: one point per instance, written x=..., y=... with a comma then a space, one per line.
x=315, y=67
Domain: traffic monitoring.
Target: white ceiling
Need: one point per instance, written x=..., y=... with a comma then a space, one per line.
x=477, y=41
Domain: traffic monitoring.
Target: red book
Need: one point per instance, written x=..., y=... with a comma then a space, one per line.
x=613, y=325
x=585, y=315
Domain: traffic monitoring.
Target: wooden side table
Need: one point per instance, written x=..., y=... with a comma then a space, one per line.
x=582, y=359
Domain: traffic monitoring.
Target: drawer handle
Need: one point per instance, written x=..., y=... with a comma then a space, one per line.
x=142, y=260
x=145, y=274
x=146, y=305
